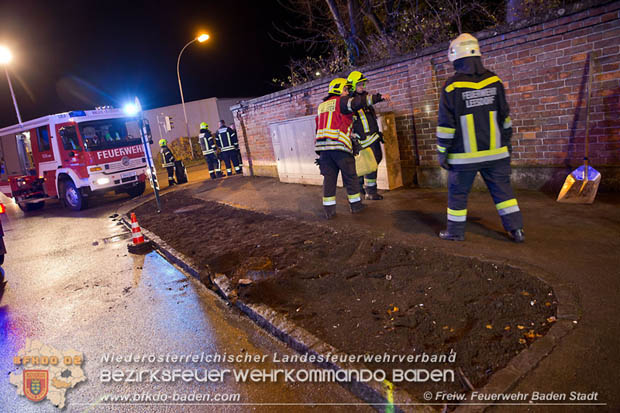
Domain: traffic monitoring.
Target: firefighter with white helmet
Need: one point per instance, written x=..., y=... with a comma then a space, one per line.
x=167, y=160
x=473, y=135
x=366, y=128
x=208, y=147
x=336, y=147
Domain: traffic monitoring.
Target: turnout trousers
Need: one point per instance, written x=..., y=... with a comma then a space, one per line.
x=369, y=182
x=230, y=159
x=213, y=164
x=497, y=179
x=331, y=163
x=170, y=170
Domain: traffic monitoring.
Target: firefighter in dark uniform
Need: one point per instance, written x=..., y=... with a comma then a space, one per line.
x=167, y=160
x=239, y=158
x=473, y=135
x=226, y=140
x=366, y=128
x=336, y=147
x=207, y=144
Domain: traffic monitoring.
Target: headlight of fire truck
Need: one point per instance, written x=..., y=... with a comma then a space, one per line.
x=103, y=181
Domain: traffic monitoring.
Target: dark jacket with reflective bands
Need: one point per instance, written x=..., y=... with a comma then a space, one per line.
x=474, y=126
x=365, y=126
x=167, y=158
x=226, y=139
x=207, y=142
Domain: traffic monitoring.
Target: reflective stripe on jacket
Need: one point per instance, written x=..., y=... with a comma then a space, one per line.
x=474, y=125
x=207, y=142
x=365, y=125
x=167, y=158
x=226, y=139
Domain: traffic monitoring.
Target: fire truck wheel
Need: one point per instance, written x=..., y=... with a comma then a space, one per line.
x=30, y=206
x=137, y=190
x=72, y=196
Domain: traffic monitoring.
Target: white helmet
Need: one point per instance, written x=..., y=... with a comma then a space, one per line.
x=465, y=45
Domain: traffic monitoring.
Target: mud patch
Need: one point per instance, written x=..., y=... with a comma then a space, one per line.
x=363, y=295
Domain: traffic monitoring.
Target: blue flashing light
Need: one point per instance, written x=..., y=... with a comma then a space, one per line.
x=75, y=113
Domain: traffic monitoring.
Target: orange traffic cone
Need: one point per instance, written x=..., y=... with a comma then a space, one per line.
x=139, y=246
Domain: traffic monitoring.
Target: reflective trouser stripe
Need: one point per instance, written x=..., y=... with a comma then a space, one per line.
x=370, y=182
x=507, y=207
x=355, y=197
x=329, y=200
x=237, y=168
x=457, y=215
x=441, y=148
x=469, y=133
x=495, y=141
x=167, y=165
x=211, y=171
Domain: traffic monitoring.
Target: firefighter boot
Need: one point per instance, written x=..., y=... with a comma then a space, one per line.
x=448, y=236
x=454, y=232
x=517, y=235
x=373, y=197
x=357, y=207
x=330, y=211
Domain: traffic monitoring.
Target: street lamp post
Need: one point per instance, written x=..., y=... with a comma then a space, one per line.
x=202, y=38
x=5, y=59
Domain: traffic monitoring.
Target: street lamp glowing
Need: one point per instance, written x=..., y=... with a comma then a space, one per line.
x=130, y=109
x=203, y=37
x=5, y=55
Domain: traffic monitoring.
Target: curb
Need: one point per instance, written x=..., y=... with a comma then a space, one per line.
x=302, y=341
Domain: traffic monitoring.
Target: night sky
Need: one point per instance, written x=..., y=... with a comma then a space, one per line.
x=71, y=55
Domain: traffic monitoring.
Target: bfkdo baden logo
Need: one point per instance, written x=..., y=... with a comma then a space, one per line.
x=44, y=372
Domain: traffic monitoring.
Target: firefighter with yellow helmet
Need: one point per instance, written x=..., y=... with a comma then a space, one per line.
x=366, y=128
x=208, y=147
x=336, y=147
x=473, y=135
x=167, y=160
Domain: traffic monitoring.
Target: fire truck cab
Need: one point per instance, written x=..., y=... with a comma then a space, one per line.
x=72, y=156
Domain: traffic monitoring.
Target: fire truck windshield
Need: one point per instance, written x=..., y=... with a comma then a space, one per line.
x=109, y=133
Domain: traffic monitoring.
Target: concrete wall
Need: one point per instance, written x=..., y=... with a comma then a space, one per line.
x=209, y=110
x=544, y=68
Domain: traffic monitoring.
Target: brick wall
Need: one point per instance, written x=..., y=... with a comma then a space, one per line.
x=544, y=69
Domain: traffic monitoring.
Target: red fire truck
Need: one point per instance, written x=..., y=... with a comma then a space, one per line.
x=72, y=156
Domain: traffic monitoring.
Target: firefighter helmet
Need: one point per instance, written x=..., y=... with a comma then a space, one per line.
x=337, y=85
x=204, y=125
x=163, y=142
x=354, y=78
x=465, y=45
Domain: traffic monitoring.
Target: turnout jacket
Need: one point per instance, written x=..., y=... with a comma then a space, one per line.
x=474, y=126
x=365, y=126
x=167, y=158
x=226, y=139
x=207, y=142
x=333, y=123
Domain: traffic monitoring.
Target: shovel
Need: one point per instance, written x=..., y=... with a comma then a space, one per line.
x=581, y=185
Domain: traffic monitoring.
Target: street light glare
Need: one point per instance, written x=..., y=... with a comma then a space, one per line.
x=5, y=55
x=130, y=109
x=203, y=37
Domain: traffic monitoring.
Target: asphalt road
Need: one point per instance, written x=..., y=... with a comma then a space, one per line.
x=72, y=285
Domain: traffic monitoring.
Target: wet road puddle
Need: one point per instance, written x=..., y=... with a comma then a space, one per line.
x=117, y=238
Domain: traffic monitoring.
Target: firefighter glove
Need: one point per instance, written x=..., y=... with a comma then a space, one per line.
x=357, y=147
x=443, y=161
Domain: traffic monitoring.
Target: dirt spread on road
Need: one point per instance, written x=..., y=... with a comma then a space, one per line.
x=365, y=295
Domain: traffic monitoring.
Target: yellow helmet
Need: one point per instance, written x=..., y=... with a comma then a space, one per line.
x=354, y=78
x=465, y=45
x=163, y=142
x=336, y=85
x=204, y=125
